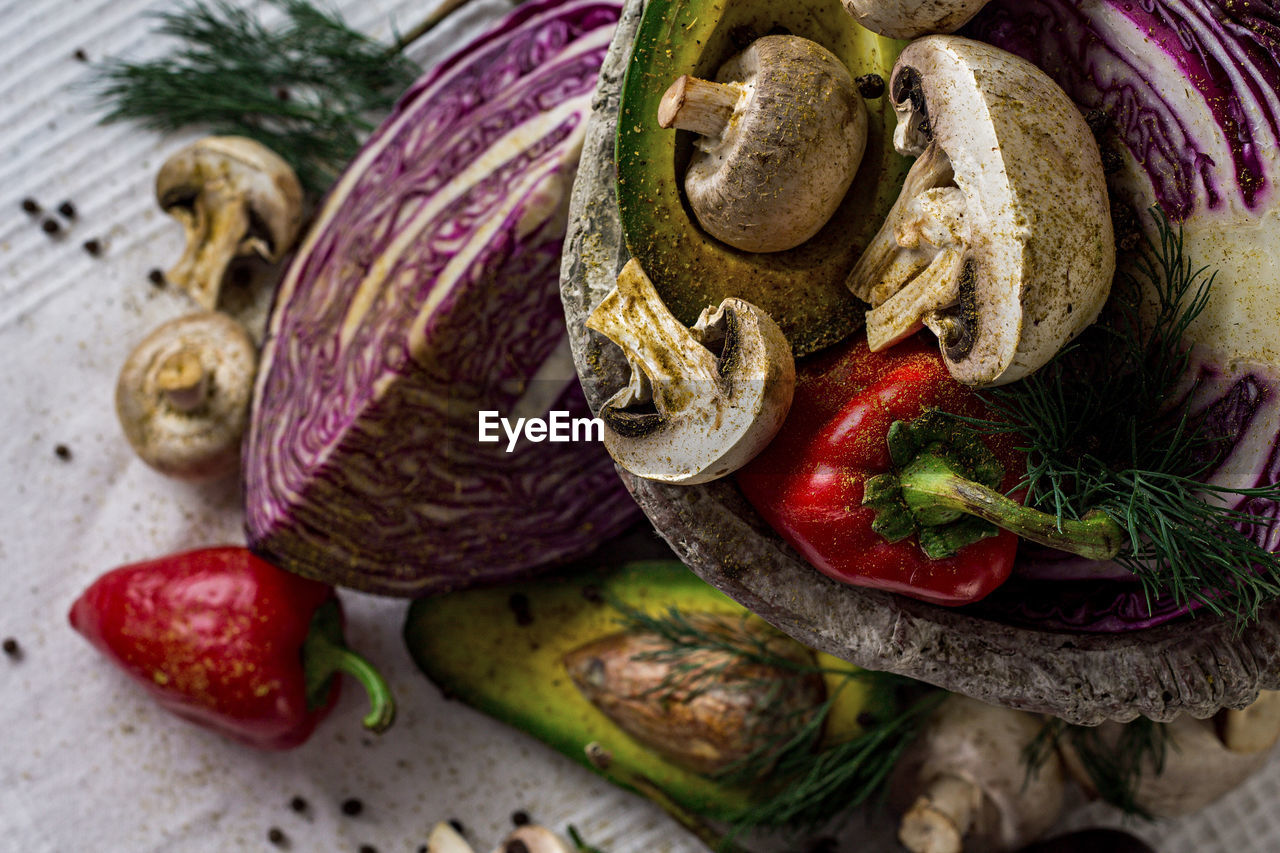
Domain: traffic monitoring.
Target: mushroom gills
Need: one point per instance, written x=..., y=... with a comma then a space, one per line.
x=701, y=401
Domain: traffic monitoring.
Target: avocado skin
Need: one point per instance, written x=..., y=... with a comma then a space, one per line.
x=499, y=650
x=802, y=289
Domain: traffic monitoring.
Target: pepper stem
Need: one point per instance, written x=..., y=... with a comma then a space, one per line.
x=325, y=655
x=943, y=489
x=930, y=487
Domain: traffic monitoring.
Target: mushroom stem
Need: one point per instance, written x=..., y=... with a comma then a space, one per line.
x=220, y=222
x=902, y=313
x=874, y=278
x=931, y=486
x=633, y=316
x=183, y=381
x=697, y=105
x=941, y=816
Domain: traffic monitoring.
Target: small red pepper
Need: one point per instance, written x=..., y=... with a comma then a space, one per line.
x=811, y=481
x=228, y=641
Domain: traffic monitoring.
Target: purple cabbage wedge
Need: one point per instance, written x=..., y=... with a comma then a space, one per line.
x=1190, y=89
x=426, y=293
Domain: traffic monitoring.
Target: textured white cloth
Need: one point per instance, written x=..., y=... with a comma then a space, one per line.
x=86, y=761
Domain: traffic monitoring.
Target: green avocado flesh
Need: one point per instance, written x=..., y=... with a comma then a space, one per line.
x=500, y=650
x=802, y=289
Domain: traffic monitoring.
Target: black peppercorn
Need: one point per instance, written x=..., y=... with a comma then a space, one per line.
x=80, y=55
x=352, y=807
x=276, y=836
x=368, y=848
x=30, y=205
x=11, y=647
x=870, y=86
x=156, y=277
x=51, y=227
x=298, y=804
x=93, y=247
x=520, y=818
x=62, y=452
x=67, y=209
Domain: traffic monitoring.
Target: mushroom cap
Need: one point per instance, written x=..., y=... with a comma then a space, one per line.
x=236, y=166
x=908, y=19
x=789, y=154
x=200, y=441
x=1042, y=255
x=983, y=744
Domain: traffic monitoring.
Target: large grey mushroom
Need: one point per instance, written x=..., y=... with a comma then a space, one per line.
x=1000, y=241
x=781, y=134
x=183, y=394
x=963, y=783
x=233, y=196
x=691, y=415
x=908, y=19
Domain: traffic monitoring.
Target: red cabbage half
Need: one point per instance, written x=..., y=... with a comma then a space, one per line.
x=1192, y=90
x=426, y=292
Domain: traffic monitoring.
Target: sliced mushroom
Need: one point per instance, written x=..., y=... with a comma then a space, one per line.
x=963, y=783
x=782, y=132
x=183, y=394
x=1197, y=768
x=690, y=415
x=233, y=196
x=1000, y=241
x=908, y=19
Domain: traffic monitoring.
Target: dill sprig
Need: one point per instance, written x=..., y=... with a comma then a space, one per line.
x=311, y=88
x=810, y=782
x=1107, y=425
x=1114, y=766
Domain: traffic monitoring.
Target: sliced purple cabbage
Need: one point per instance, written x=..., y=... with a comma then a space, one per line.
x=1192, y=91
x=426, y=292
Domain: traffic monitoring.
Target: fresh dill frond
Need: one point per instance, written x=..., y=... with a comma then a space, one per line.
x=310, y=89
x=579, y=845
x=1107, y=425
x=815, y=785
x=1115, y=765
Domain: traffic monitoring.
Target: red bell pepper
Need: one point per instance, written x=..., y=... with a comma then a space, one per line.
x=874, y=487
x=810, y=482
x=228, y=641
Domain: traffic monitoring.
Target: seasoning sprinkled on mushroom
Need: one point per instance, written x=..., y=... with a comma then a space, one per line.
x=690, y=415
x=781, y=134
x=233, y=196
x=1000, y=241
x=183, y=395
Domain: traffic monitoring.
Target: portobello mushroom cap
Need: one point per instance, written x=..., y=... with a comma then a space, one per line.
x=689, y=415
x=1001, y=240
x=782, y=133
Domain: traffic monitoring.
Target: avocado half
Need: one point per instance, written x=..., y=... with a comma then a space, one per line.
x=802, y=289
x=500, y=650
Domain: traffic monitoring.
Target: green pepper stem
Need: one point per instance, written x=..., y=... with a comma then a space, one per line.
x=929, y=485
x=325, y=655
